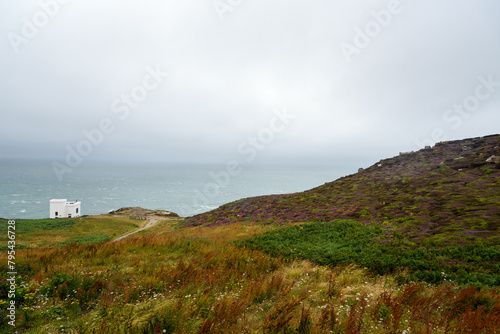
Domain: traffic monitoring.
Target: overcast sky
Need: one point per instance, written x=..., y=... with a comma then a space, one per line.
x=350, y=80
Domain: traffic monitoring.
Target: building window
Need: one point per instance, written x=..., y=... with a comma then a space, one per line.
x=76, y=210
x=69, y=215
x=57, y=213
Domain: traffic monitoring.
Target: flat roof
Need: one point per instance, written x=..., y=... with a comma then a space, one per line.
x=65, y=201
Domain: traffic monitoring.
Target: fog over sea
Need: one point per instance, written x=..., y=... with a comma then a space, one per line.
x=27, y=186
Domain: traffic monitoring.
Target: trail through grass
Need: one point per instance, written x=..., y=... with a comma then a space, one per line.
x=35, y=233
x=196, y=280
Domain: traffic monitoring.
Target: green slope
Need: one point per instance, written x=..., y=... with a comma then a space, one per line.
x=450, y=192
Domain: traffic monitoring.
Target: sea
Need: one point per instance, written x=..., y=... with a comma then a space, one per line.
x=27, y=186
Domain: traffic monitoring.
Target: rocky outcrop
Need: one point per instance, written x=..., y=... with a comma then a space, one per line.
x=141, y=213
x=494, y=159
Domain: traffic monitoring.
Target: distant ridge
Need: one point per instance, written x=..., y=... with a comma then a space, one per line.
x=452, y=188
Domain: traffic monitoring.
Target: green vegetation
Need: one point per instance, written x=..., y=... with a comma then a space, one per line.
x=35, y=225
x=345, y=242
x=35, y=233
x=196, y=280
x=409, y=245
x=447, y=194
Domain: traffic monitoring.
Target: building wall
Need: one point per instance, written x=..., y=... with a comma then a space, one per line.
x=58, y=206
x=64, y=209
x=73, y=209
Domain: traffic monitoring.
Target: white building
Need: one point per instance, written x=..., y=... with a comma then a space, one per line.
x=61, y=208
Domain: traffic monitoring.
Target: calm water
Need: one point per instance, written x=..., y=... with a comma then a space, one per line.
x=27, y=187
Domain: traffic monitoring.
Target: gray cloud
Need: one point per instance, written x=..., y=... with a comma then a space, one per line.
x=227, y=76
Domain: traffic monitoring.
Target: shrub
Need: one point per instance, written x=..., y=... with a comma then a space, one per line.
x=344, y=242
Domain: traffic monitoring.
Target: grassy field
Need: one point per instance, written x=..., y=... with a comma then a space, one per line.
x=200, y=280
x=36, y=233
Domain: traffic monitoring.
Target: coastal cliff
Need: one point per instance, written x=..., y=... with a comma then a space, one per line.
x=452, y=188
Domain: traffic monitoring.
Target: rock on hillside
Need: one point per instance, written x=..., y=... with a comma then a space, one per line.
x=141, y=213
x=452, y=188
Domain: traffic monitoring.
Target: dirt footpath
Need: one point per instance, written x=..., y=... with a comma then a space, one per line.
x=152, y=220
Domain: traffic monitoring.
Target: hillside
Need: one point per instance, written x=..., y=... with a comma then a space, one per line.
x=325, y=276
x=448, y=192
x=48, y=233
x=198, y=280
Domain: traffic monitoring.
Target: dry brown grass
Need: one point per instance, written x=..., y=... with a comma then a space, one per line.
x=195, y=280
